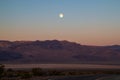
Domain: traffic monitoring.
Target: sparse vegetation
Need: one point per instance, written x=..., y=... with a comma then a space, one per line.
x=1, y=70
x=38, y=72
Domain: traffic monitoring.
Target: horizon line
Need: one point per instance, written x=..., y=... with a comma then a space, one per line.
x=59, y=40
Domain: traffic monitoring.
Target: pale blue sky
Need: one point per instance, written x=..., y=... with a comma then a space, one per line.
x=94, y=22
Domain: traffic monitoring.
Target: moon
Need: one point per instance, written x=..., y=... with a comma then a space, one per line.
x=61, y=15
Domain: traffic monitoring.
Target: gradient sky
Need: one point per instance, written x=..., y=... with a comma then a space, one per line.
x=91, y=22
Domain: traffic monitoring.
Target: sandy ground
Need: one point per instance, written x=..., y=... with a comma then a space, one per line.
x=82, y=77
x=115, y=77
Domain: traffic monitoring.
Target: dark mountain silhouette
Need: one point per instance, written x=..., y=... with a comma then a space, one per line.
x=54, y=51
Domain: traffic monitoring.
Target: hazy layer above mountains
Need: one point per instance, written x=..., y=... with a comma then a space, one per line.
x=54, y=51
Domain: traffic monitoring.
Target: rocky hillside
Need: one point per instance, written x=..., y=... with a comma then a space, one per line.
x=54, y=51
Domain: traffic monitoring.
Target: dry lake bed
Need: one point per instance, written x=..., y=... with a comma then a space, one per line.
x=62, y=66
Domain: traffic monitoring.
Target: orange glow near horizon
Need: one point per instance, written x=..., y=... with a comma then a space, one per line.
x=88, y=22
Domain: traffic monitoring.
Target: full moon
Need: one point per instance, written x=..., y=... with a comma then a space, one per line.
x=61, y=15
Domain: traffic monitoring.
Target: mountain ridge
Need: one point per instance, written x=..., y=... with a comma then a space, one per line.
x=55, y=51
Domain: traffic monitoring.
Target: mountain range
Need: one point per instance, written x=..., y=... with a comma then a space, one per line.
x=55, y=51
